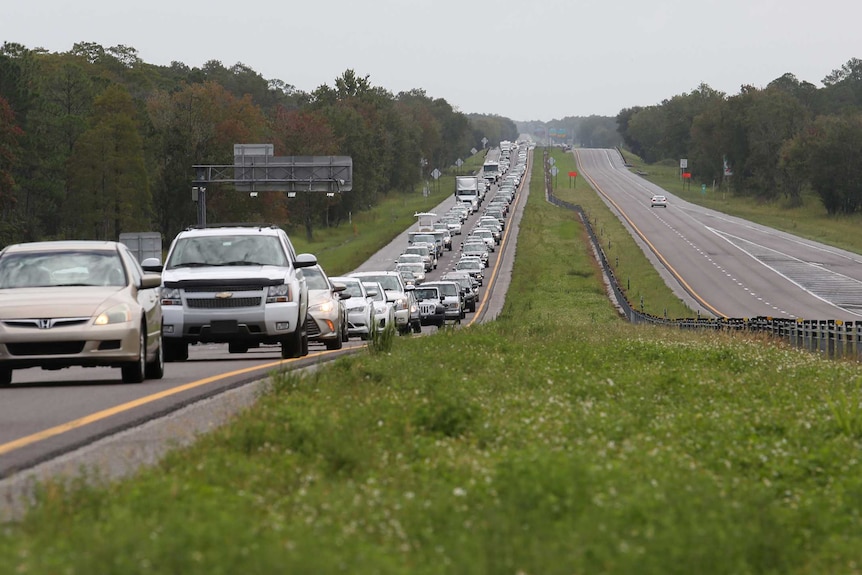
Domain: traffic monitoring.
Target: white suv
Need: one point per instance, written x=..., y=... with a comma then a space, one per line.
x=234, y=284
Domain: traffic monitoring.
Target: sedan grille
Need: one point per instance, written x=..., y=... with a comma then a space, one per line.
x=46, y=348
x=311, y=327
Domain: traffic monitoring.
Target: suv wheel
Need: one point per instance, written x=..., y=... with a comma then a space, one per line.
x=417, y=327
x=294, y=345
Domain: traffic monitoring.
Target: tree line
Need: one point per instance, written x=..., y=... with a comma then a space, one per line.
x=95, y=142
x=780, y=141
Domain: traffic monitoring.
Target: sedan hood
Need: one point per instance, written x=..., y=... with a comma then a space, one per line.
x=73, y=301
x=355, y=303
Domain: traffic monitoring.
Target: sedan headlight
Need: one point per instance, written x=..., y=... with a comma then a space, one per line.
x=121, y=313
x=324, y=307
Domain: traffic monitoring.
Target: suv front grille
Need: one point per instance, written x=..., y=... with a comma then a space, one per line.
x=228, y=303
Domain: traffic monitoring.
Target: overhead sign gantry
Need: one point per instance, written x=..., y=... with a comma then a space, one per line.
x=256, y=169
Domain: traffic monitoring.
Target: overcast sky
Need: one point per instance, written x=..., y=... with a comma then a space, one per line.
x=525, y=60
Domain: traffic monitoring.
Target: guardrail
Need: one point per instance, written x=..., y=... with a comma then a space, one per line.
x=831, y=338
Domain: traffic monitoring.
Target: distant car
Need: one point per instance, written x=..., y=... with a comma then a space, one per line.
x=79, y=303
x=406, y=258
x=658, y=202
x=397, y=292
x=474, y=266
x=360, y=309
x=452, y=299
x=418, y=269
x=469, y=287
x=431, y=310
x=384, y=311
x=327, y=314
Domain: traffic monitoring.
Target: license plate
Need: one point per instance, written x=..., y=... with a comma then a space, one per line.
x=226, y=326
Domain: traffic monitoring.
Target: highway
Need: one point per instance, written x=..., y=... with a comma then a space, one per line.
x=48, y=414
x=727, y=266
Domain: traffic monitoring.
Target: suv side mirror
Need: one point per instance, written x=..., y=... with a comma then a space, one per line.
x=152, y=265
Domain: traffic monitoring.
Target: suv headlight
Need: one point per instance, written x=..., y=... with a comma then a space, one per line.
x=278, y=293
x=171, y=296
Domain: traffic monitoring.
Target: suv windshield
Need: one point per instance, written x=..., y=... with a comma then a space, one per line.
x=426, y=293
x=228, y=250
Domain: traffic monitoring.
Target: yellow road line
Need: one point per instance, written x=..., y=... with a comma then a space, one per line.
x=105, y=413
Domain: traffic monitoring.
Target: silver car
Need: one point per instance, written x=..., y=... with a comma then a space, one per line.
x=360, y=309
x=79, y=303
x=384, y=311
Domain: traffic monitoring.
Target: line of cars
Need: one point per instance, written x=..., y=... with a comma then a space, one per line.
x=92, y=304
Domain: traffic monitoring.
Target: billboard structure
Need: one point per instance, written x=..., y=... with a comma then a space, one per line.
x=256, y=169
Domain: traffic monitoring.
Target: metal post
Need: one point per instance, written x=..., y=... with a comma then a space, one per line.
x=202, y=206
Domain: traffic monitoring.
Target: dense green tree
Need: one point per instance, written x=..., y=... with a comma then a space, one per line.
x=199, y=125
x=303, y=133
x=10, y=151
x=826, y=156
x=107, y=175
x=772, y=117
x=843, y=89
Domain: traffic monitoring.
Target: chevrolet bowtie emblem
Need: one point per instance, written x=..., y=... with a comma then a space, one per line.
x=224, y=295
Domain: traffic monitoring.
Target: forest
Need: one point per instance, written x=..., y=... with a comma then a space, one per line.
x=95, y=142
x=780, y=142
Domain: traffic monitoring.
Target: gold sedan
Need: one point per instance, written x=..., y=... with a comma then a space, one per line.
x=78, y=303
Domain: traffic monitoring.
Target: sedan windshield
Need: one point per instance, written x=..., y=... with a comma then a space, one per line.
x=65, y=268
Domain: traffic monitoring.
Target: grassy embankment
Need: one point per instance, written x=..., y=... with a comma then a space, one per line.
x=557, y=439
x=809, y=220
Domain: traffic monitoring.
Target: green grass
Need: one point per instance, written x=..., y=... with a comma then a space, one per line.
x=809, y=220
x=343, y=248
x=557, y=439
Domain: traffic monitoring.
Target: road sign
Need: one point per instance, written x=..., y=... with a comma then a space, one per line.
x=683, y=163
x=552, y=161
x=573, y=174
x=554, y=170
x=484, y=142
x=436, y=173
x=473, y=151
x=459, y=162
x=686, y=175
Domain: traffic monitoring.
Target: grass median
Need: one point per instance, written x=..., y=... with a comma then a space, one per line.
x=557, y=439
